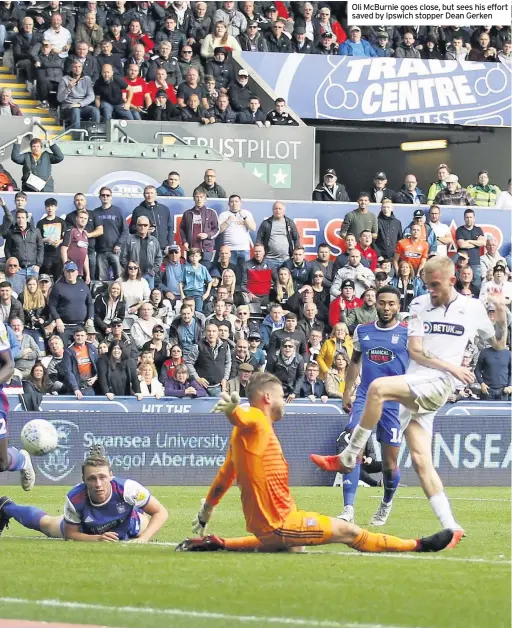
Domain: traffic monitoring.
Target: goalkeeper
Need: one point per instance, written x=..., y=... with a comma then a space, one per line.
x=256, y=460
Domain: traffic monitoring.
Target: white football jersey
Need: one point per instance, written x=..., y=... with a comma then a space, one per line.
x=4, y=338
x=447, y=331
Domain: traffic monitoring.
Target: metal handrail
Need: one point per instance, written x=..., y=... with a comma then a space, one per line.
x=66, y=131
x=13, y=141
x=36, y=123
x=170, y=133
x=125, y=134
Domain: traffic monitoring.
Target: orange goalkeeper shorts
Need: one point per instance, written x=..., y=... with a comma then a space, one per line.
x=299, y=528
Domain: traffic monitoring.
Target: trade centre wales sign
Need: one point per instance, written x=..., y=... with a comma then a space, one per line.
x=391, y=90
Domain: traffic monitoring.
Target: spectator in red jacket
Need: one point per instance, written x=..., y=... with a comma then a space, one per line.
x=365, y=247
x=346, y=301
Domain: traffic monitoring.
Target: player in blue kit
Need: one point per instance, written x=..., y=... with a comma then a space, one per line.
x=11, y=459
x=101, y=508
x=380, y=350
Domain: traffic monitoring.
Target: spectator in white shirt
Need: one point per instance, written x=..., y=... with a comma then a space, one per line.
x=498, y=283
x=59, y=37
x=442, y=231
x=236, y=224
x=490, y=258
x=504, y=200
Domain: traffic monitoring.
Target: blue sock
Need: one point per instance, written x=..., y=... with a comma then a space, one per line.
x=350, y=481
x=17, y=459
x=391, y=480
x=28, y=516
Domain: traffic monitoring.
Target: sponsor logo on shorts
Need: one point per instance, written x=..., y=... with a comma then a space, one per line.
x=381, y=355
x=447, y=329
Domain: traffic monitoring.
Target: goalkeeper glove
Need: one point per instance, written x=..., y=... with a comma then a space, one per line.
x=226, y=403
x=202, y=518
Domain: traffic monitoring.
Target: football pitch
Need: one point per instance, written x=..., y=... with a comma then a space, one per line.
x=150, y=586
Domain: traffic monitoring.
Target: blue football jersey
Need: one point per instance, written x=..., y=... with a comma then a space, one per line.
x=119, y=514
x=384, y=352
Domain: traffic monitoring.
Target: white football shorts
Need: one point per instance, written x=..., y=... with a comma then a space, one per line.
x=431, y=391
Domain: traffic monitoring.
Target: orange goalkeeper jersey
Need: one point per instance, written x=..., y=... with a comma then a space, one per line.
x=256, y=460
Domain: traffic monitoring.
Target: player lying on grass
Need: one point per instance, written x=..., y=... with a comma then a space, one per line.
x=440, y=326
x=256, y=460
x=101, y=508
x=11, y=459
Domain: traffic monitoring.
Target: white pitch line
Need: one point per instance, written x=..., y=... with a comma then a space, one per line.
x=348, y=554
x=461, y=499
x=177, y=612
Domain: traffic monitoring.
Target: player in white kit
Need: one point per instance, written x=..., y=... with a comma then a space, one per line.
x=441, y=324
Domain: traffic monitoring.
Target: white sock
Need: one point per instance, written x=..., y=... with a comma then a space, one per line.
x=442, y=509
x=358, y=440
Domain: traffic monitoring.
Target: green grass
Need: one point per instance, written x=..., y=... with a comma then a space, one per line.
x=329, y=584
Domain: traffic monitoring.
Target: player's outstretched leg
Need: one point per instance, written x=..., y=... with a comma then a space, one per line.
x=12, y=459
x=212, y=543
x=29, y=517
x=374, y=542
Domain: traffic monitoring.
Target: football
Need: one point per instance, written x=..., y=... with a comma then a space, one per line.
x=39, y=437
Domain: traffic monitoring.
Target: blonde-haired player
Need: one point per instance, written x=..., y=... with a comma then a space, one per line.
x=440, y=326
x=256, y=460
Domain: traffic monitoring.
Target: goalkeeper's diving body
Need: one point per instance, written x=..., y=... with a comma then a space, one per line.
x=102, y=508
x=256, y=460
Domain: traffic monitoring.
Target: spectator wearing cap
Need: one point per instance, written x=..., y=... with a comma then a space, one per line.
x=313, y=387
x=390, y=231
x=406, y=49
x=253, y=114
x=504, y=200
x=70, y=303
x=330, y=190
x=209, y=362
x=382, y=46
x=380, y=190
x=442, y=231
x=326, y=44
x=76, y=97
x=171, y=186
x=279, y=116
x=257, y=353
x=410, y=193
x=300, y=43
x=442, y=173
x=162, y=109
x=121, y=44
x=362, y=276
x=359, y=219
x=238, y=384
x=49, y=72
x=498, y=283
x=346, y=301
x=277, y=39
x=252, y=40
x=488, y=260
x=493, y=373
x=23, y=241
x=483, y=192
x=108, y=307
x=427, y=234
x=219, y=37
x=354, y=46
x=236, y=225
x=453, y=194
x=288, y=367
x=222, y=111
x=221, y=68
x=279, y=236
x=239, y=91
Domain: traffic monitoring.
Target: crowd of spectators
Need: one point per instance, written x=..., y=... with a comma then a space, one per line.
x=172, y=60
x=100, y=305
